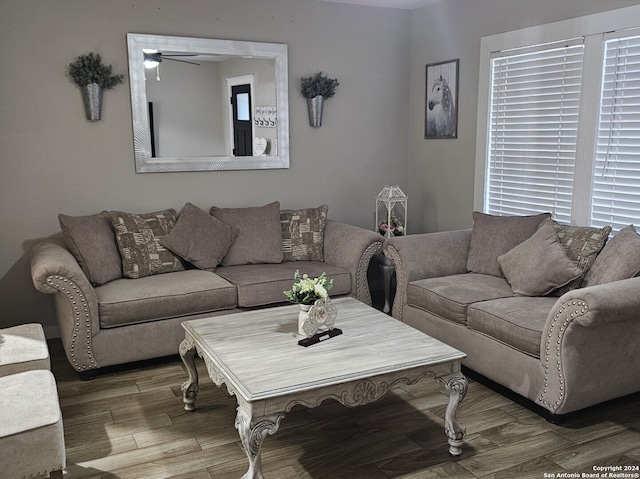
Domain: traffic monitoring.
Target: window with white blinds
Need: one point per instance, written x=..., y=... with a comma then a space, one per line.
x=533, y=128
x=616, y=173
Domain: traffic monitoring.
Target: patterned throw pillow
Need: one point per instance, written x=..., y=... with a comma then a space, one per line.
x=138, y=239
x=303, y=233
x=581, y=245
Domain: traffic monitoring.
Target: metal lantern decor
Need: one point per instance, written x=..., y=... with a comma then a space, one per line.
x=389, y=223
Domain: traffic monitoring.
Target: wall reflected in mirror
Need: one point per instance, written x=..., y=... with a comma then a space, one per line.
x=208, y=104
x=192, y=111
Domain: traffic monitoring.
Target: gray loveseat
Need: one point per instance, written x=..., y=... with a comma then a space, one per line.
x=506, y=293
x=123, y=283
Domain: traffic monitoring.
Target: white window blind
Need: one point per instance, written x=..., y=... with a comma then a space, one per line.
x=616, y=176
x=534, y=105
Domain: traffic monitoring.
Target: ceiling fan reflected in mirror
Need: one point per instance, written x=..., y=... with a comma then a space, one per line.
x=153, y=58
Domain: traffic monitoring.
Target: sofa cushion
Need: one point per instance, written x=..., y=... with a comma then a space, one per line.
x=264, y=284
x=450, y=296
x=538, y=265
x=259, y=237
x=199, y=238
x=619, y=259
x=92, y=242
x=139, y=238
x=581, y=245
x=517, y=322
x=303, y=233
x=492, y=236
x=127, y=301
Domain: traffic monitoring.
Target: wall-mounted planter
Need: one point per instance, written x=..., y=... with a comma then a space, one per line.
x=316, y=89
x=315, y=106
x=92, y=97
x=92, y=76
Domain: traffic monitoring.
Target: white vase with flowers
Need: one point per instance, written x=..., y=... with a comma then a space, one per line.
x=305, y=291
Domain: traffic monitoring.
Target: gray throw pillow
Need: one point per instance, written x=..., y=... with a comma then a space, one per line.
x=303, y=233
x=539, y=264
x=139, y=238
x=259, y=237
x=92, y=242
x=619, y=259
x=492, y=236
x=199, y=238
x=581, y=245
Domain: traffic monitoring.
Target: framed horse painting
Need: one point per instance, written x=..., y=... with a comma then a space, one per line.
x=441, y=100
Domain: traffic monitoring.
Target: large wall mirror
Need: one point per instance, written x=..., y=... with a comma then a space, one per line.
x=202, y=104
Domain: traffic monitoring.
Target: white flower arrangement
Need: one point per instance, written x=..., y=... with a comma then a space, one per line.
x=307, y=290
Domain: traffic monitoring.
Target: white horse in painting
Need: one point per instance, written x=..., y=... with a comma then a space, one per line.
x=441, y=117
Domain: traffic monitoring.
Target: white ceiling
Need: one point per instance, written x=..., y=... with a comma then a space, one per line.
x=402, y=4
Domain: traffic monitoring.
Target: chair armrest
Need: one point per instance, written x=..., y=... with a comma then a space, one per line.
x=352, y=247
x=428, y=255
x=55, y=271
x=591, y=338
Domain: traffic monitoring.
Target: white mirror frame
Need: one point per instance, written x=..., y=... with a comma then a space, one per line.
x=145, y=163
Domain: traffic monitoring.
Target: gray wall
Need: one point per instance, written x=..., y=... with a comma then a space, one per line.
x=441, y=172
x=52, y=160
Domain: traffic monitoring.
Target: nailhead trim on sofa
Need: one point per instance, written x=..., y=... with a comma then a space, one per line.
x=565, y=315
x=75, y=296
x=362, y=283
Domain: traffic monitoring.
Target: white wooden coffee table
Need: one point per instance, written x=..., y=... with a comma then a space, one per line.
x=256, y=354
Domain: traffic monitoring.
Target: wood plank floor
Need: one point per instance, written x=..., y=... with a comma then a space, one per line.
x=130, y=424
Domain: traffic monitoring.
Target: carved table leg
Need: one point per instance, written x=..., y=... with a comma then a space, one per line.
x=457, y=385
x=190, y=386
x=252, y=433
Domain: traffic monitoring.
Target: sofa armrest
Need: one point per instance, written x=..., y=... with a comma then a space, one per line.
x=590, y=340
x=352, y=247
x=55, y=271
x=608, y=303
x=428, y=255
x=50, y=258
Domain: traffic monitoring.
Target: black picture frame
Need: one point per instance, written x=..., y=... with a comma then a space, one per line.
x=441, y=99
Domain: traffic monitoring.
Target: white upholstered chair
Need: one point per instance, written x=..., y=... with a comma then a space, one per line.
x=31, y=431
x=23, y=348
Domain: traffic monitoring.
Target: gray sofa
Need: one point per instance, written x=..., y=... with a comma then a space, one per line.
x=565, y=343
x=113, y=308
